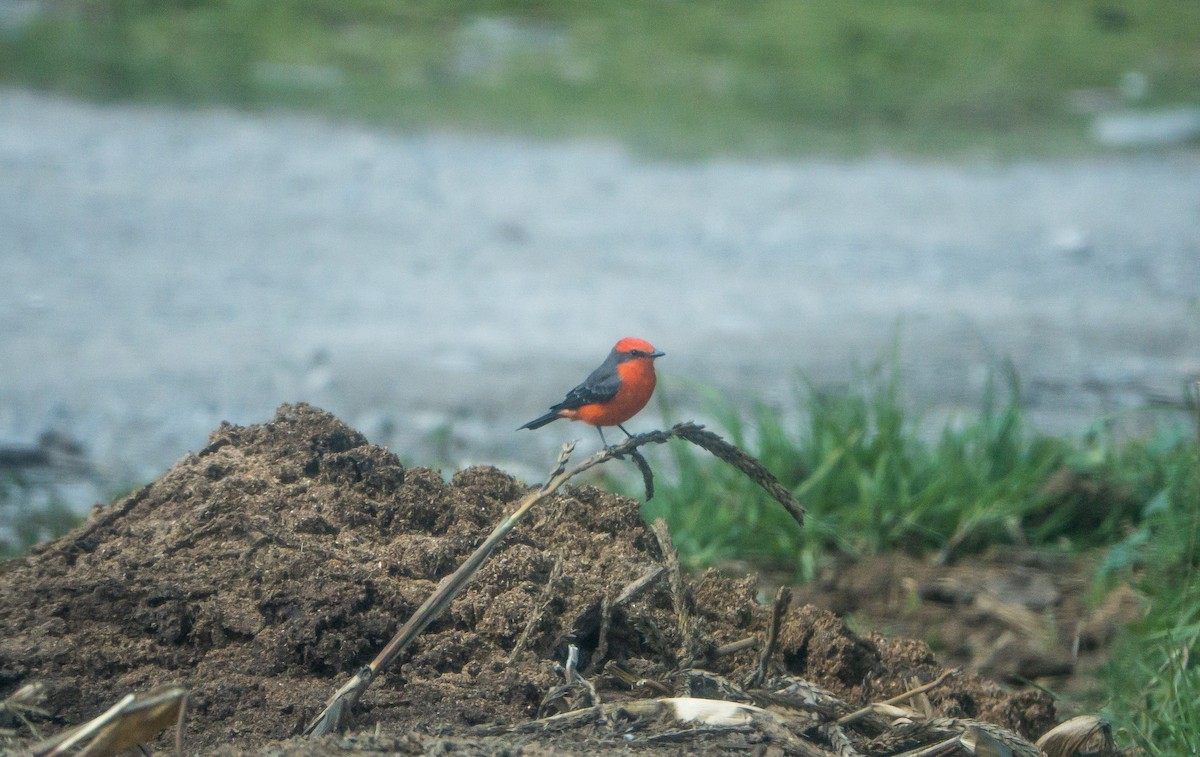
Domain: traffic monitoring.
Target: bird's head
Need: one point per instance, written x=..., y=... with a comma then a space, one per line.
x=632, y=348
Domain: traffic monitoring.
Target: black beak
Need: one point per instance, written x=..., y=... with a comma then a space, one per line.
x=656, y=353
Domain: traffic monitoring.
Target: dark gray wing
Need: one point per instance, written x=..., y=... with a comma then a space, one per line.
x=600, y=386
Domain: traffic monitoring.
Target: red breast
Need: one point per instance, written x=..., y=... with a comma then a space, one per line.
x=637, y=386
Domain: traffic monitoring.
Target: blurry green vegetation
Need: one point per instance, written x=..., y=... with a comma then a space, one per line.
x=872, y=483
x=676, y=78
x=1154, y=676
x=24, y=521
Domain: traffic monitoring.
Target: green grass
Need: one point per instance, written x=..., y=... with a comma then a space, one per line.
x=28, y=521
x=873, y=482
x=763, y=77
x=1153, y=675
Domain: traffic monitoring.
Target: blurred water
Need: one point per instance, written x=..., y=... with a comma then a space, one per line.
x=162, y=270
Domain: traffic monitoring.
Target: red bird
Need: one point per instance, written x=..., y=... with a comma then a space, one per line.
x=613, y=393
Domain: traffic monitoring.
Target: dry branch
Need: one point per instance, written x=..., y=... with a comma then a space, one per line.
x=566, y=696
x=937, y=750
x=620, y=673
x=638, y=586
x=540, y=611
x=678, y=591
x=783, y=600
x=722, y=449
x=601, y=650
x=647, y=474
x=858, y=714
x=733, y=647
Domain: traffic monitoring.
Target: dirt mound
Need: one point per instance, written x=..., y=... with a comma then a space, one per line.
x=1011, y=614
x=264, y=569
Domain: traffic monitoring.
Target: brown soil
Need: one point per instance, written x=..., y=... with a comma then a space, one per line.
x=263, y=570
x=1014, y=615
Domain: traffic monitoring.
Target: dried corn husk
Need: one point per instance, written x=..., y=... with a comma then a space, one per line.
x=1083, y=734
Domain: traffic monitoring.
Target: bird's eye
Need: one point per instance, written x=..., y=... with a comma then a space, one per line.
x=636, y=353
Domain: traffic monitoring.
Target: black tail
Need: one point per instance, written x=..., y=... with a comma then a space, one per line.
x=541, y=421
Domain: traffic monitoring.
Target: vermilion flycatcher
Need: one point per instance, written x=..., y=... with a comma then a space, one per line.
x=613, y=393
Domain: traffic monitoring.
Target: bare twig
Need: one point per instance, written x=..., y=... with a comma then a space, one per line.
x=339, y=705
x=940, y=748
x=746, y=464
x=563, y=697
x=920, y=702
x=647, y=474
x=632, y=591
x=945, y=676
x=638, y=586
x=574, y=677
x=560, y=466
x=733, y=647
x=692, y=734
x=540, y=611
x=601, y=650
x=634, y=681
x=858, y=714
x=783, y=600
x=678, y=592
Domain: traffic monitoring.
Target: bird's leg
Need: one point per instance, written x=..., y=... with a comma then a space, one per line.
x=603, y=443
x=624, y=429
